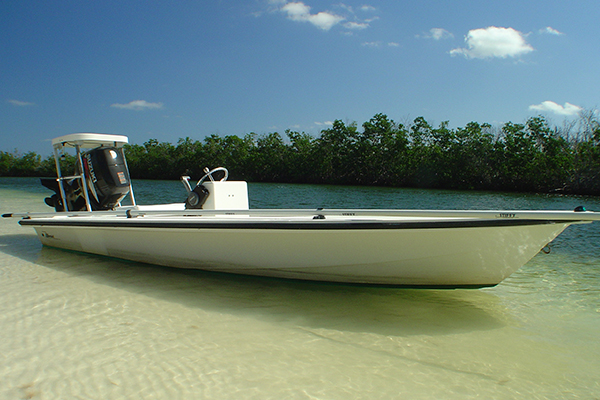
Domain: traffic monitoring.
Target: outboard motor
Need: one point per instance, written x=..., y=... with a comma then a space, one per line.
x=107, y=179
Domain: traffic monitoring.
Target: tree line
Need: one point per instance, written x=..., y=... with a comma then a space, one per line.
x=528, y=157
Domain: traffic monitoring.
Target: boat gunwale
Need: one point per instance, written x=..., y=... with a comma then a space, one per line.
x=316, y=224
x=178, y=210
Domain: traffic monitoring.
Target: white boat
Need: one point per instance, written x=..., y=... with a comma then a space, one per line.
x=215, y=230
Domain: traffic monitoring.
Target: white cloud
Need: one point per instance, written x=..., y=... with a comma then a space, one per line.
x=371, y=44
x=379, y=44
x=493, y=42
x=19, y=103
x=138, y=105
x=356, y=25
x=551, y=31
x=298, y=11
x=549, y=106
x=346, y=7
x=325, y=20
x=438, y=34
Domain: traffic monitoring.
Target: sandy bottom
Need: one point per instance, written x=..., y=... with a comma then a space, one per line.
x=76, y=326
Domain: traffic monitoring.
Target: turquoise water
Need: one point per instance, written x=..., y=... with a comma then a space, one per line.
x=81, y=326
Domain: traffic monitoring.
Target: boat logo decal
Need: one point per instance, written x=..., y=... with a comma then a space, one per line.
x=45, y=234
x=90, y=166
x=506, y=215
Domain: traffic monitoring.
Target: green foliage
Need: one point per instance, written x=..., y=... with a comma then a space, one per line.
x=514, y=157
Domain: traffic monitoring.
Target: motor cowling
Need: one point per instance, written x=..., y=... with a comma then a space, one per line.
x=107, y=177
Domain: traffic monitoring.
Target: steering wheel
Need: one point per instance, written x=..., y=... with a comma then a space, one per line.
x=209, y=173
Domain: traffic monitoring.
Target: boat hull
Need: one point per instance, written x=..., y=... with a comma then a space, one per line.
x=449, y=254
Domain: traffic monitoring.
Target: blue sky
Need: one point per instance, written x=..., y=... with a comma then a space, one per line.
x=173, y=69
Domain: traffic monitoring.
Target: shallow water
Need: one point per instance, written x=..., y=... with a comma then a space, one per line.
x=81, y=326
